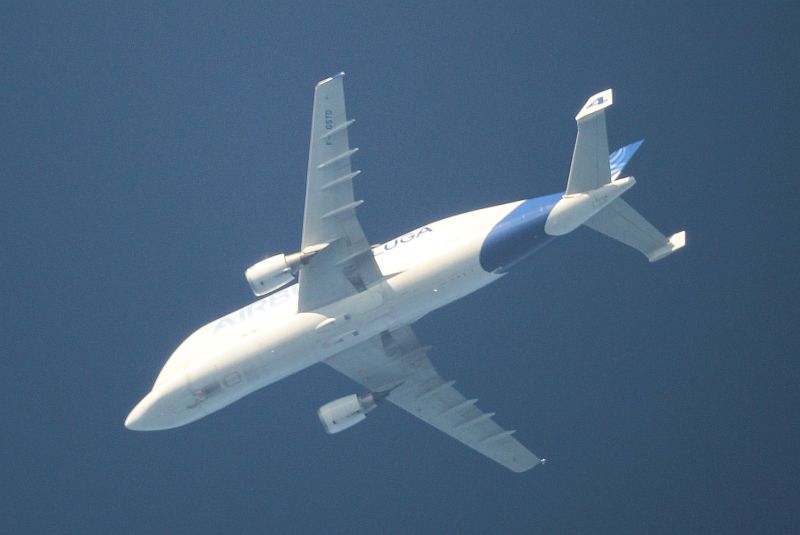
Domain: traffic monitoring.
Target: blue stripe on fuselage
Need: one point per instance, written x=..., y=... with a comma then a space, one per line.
x=518, y=235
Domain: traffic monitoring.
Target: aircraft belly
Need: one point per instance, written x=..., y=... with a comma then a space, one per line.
x=254, y=353
x=266, y=356
x=437, y=281
x=258, y=359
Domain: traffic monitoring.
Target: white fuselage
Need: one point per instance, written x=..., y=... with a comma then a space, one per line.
x=269, y=339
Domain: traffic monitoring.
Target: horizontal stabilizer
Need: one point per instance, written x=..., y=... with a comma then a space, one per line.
x=624, y=224
x=590, y=167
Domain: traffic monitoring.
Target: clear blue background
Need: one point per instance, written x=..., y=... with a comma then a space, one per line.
x=149, y=153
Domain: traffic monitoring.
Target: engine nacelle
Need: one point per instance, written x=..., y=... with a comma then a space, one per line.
x=348, y=411
x=269, y=274
x=279, y=270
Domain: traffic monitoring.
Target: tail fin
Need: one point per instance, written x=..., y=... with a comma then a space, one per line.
x=593, y=190
x=620, y=158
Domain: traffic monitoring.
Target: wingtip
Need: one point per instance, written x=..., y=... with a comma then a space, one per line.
x=597, y=102
x=330, y=78
x=674, y=242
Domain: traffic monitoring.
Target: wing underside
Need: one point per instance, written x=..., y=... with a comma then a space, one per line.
x=396, y=361
x=346, y=265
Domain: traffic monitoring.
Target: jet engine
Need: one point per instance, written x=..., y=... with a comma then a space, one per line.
x=277, y=271
x=348, y=411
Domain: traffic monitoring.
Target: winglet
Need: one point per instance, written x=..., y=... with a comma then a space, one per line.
x=596, y=103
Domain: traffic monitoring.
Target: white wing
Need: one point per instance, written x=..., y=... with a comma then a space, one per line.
x=621, y=222
x=396, y=360
x=590, y=167
x=346, y=266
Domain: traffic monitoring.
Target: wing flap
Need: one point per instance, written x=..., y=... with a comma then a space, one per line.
x=451, y=412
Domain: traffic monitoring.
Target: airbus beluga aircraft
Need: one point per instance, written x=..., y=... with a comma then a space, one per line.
x=353, y=303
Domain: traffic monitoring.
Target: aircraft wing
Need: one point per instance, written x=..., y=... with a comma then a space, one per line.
x=396, y=361
x=346, y=266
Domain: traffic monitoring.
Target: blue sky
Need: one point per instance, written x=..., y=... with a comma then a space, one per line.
x=151, y=152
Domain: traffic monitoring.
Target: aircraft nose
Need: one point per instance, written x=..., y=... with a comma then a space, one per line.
x=141, y=417
x=165, y=407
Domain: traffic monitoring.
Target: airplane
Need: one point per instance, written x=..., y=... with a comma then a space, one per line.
x=350, y=304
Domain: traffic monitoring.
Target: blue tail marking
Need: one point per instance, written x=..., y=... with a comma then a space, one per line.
x=620, y=158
